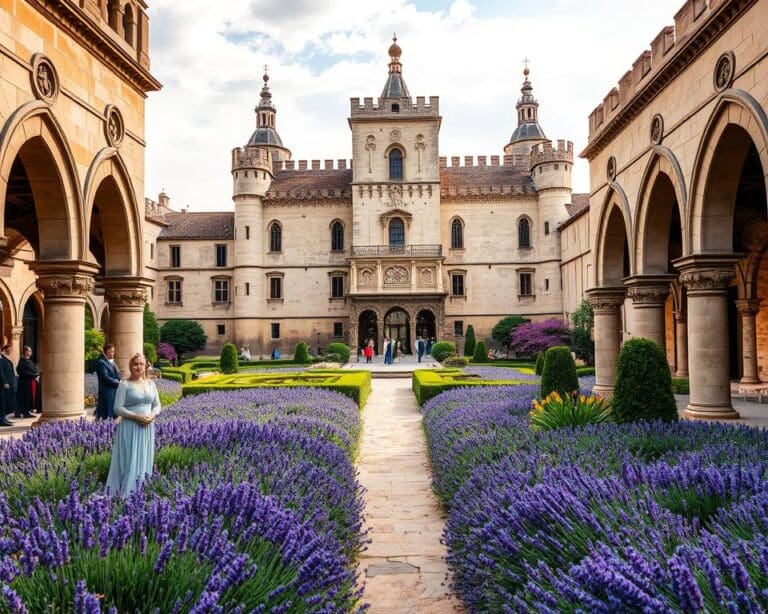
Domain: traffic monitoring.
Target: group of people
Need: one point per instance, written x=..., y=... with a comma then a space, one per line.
x=135, y=402
x=19, y=386
x=423, y=346
x=393, y=347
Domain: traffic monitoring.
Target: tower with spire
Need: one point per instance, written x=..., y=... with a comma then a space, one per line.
x=528, y=132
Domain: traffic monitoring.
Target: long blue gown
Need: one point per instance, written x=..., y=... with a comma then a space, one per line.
x=133, y=455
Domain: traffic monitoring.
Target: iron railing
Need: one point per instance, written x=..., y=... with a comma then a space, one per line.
x=397, y=250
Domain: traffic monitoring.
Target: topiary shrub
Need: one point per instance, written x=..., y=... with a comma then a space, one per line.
x=339, y=348
x=228, y=361
x=643, y=388
x=469, y=341
x=456, y=361
x=680, y=385
x=301, y=354
x=443, y=349
x=539, y=363
x=559, y=372
x=150, y=353
x=481, y=354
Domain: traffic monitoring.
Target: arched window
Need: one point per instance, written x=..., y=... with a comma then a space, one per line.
x=457, y=234
x=113, y=14
x=275, y=238
x=395, y=164
x=128, y=25
x=337, y=237
x=396, y=232
x=524, y=233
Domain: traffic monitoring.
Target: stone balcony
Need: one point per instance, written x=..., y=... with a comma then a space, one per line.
x=402, y=270
x=385, y=251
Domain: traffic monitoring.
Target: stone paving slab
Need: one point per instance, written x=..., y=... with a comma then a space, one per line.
x=404, y=566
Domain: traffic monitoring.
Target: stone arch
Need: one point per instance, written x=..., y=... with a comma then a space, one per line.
x=33, y=135
x=9, y=309
x=91, y=306
x=662, y=185
x=737, y=121
x=275, y=236
x=524, y=226
x=456, y=232
x=112, y=215
x=613, y=240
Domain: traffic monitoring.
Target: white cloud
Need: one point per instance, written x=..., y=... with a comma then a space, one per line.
x=209, y=56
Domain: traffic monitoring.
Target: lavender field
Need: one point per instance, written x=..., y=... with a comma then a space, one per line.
x=254, y=506
x=644, y=517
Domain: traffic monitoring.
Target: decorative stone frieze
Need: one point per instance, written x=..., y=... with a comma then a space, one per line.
x=65, y=285
x=606, y=303
x=706, y=279
x=126, y=297
x=648, y=295
x=396, y=275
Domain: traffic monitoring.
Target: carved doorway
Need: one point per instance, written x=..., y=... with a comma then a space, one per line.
x=425, y=325
x=368, y=328
x=397, y=326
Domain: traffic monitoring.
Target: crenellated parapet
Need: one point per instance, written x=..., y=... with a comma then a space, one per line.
x=548, y=152
x=405, y=107
x=311, y=165
x=248, y=157
x=519, y=161
x=671, y=51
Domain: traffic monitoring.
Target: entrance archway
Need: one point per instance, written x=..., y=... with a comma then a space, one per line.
x=368, y=328
x=397, y=326
x=425, y=324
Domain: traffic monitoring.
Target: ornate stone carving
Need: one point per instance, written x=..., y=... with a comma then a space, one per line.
x=657, y=129
x=748, y=306
x=114, y=127
x=396, y=196
x=394, y=136
x=396, y=275
x=648, y=295
x=419, y=146
x=427, y=277
x=45, y=78
x=370, y=147
x=725, y=71
x=606, y=304
x=707, y=279
x=367, y=278
x=611, y=168
x=126, y=297
x=65, y=285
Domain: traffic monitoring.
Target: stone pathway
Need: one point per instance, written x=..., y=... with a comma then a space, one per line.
x=403, y=568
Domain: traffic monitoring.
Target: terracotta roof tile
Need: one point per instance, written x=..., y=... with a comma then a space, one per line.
x=578, y=204
x=208, y=225
x=318, y=183
x=460, y=180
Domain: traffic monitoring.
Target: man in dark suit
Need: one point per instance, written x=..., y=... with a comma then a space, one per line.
x=109, y=378
x=11, y=381
x=4, y=409
x=28, y=374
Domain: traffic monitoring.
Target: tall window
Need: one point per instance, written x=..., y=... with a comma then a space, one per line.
x=546, y=228
x=337, y=237
x=275, y=238
x=247, y=288
x=247, y=232
x=174, y=291
x=175, y=256
x=524, y=233
x=457, y=284
x=338, y=329
x=396, y=232
x=458, y=328
x=526, y=284
x=337, y=286
x=275, y=287
x=275, y=330
x=221, y=255
x=128, y=25
x=457, y=235
x=395, y=165
x=220, y=290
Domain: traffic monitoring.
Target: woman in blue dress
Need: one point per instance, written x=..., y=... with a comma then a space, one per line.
x=137, y=404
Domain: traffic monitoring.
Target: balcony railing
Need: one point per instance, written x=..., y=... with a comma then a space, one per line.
x=397, y=250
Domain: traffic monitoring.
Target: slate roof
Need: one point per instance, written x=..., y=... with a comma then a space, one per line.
x=319, y=183
x=460, y=178
x=208, y=225
x=579, y=203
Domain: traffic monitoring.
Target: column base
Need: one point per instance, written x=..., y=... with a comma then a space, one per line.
x=681, y=373
x=602, y=391
x=750, y=380
x=697, y=412
x=45, y=419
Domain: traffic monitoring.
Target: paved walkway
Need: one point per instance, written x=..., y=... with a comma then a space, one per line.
x=403, y=568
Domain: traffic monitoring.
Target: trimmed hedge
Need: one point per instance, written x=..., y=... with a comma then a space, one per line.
x=643, y=388
x=456, y=361
x=354, y=384
x=338, y=348
x=301, y=354
x=228, y=362
x=680, y=385
x=442, y=350
x=428, y=383
x=559, y=373
x=583, y=371
x=539, y=364
x=481, y=354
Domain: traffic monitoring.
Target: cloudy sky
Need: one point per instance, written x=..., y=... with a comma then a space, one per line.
x=210, y=58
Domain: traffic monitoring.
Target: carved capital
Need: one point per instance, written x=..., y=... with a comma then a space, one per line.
x=648, y=295
x=606, y=304
x=65, y=286
x=679, y=317
x=126, y=297
x=748, y=306
x=706, y=279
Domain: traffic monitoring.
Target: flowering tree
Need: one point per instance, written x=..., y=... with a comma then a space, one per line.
x=536, y=337
x=165, y=350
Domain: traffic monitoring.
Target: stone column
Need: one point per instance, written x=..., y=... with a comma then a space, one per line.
x=65, y=286
x=412, y=332
x=706, y=279
x=607, y=332
x=15, y=341
x=681, y=345
x=748, y=309
x=648, y=300
x=126, y=319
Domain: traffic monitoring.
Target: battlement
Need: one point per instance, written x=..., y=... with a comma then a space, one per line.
x=250, y=156
x=311, y=165
x=517, y=161
x=305, y=193
x=404, y=107
x=546, y=152
x=693, y=18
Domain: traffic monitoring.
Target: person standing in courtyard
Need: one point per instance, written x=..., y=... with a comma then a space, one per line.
x=137, y=404
x=428, y=350
x=11, y=382
x=28, y=373
x=387, y=351
x=368, y=351
x=109, y=379
x=419, y=347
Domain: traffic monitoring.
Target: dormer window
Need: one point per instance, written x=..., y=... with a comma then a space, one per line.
x=395, y=107
x=395, y=165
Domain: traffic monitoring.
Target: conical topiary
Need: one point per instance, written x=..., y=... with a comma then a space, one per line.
x=559, y=372
x=643, y=387
x=481, y=354
x=540, y=363
x=301, y=354
x=469, y=341
x=228, y=360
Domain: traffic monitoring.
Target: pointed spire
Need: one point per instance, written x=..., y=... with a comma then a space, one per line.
x=266, y=118
x=528, y=127
x=395, y=86
x=266, y=95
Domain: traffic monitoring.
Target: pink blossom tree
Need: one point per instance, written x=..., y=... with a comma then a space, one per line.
x=533, y=338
